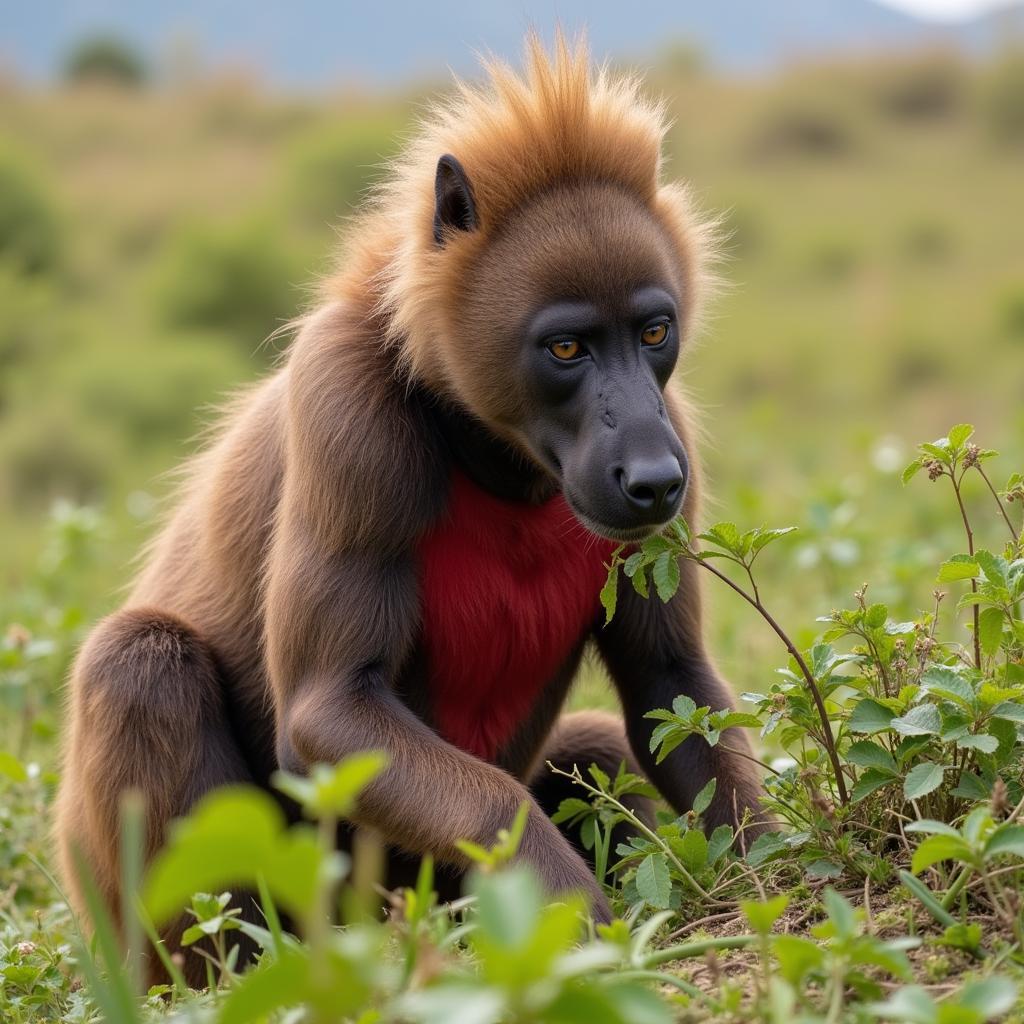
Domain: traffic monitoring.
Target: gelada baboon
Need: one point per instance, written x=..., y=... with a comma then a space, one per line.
x=398, y=540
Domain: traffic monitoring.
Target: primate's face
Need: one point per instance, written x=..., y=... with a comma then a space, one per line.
x=579, y=350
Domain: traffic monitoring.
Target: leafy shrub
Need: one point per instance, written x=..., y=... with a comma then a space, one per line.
x=233, y=278
x=1011, y=312
x=805, y=120
x=329, y=172
x=105, y=58
x=1003, y=99
x=29, y=226
x=926, y=86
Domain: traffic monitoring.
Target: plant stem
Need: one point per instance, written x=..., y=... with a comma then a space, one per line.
x=1002, y=510
x=692, y=949
x=637, y=823
x=819, y=703
x=970, y=549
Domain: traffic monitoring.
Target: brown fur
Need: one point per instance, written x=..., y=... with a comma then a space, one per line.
x=275, y=622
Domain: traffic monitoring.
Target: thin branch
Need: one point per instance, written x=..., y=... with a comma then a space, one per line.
x=995, y=494
x=830, y=743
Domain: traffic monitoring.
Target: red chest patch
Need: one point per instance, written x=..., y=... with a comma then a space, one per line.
x=508, y=590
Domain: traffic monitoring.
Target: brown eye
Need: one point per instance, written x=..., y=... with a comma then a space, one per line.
x=655, y=334
x=565, y=348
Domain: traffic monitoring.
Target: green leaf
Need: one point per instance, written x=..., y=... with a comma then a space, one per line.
x=693, y=851
x=922, y=779
x=875, y=616
x=1009, y=710
x=946, y=682
x=962, y=567
x=866, y=754
x=990, y=630
x=12, y=767
x=236, y=835
x=823, y=868
x=332, y=790
x=509, y=904
x=840, y=912
x=284, y=982
x=653, y=882
x=960, y=434
x=610, y=594
x=763, y=538
x=762, y=916
x=868, y=782
x=666, y=575
x=720, y=842
x=979, y=741
x=971, y=787
x=911, y=471
x=1006, y=839
x=764, y=847
x=725, y=536
x=922, y=720
x=991, y=997
x=938, y=848
x=702, y=801
x=870, y=717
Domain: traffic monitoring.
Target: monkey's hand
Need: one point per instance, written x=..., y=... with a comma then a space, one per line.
x=560, y=868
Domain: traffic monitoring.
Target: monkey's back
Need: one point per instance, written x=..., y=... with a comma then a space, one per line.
x=207, y=564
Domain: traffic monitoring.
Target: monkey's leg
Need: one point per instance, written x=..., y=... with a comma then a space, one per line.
x=584, y=738
x=147, y=713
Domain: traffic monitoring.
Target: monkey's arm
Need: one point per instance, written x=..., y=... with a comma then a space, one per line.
x=655, y=652
x=338, y=630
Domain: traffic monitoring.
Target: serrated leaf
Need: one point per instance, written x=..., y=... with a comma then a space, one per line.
x=720, y=841
x=960, y=434
x=610, y=594
x=653, y=882
x=868, y=782
x=922, y=720
x=979, y=741
x=1008, y=710
x=702, y=801
x=922, y=779
x=945, y=682
x=666, y=575
x=866, y=754
x=693, y=850
x=959, y=568
x=870, y=717
x=911, y=471
x=990, y=630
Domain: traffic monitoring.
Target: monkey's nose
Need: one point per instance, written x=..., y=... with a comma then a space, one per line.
x=653, y=487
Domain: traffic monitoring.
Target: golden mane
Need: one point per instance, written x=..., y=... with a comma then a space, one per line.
x=561, y=122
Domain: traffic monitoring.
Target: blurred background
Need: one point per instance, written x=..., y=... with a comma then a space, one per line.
x=172, y=178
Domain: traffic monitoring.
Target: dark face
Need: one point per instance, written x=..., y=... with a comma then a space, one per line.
x=568, y=332
x=600, y=425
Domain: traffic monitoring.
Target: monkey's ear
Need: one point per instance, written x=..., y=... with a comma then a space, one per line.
x=454, y=205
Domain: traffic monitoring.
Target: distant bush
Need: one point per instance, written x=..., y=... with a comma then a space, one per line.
x=1011, y=311
x=29, y=229
x=1004, y=99
x=233, y=278
x=926, y=86
x=927, y=241
x=804, y=123
x=330, y=172
x=105, y=58
x=833, y=257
